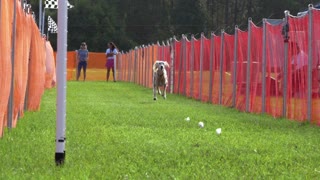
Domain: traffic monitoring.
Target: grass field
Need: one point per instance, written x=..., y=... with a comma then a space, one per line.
x=117, y=131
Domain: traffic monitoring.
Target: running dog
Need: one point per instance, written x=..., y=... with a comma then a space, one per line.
x=160, y=78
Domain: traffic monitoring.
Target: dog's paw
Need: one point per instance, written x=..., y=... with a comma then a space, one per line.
x=164, y=97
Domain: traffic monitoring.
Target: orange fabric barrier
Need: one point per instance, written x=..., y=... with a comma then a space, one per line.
x=50, y=67
x=36, y=70
x=5, y=62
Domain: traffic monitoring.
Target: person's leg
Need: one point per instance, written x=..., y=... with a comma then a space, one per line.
x=84, y=71
x=108, y=73
x=114, y=79
x=79, y=70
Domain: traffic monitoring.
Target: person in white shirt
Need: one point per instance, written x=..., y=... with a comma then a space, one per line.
x=299, y=64
x=299, y=57
x=110, y=54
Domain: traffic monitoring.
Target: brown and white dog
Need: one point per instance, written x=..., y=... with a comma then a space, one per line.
x=160, y=78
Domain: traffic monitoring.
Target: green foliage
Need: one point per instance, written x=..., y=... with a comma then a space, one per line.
x=129, y=23
x=117, y=131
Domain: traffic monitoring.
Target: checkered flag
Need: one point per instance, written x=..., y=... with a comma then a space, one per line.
x=52, y=26
x=53, y=4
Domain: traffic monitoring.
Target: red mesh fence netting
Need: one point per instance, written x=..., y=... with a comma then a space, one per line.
x=255, y=69
x=205, y=73
x=274, y=66
x=216, y=69
x=177, y=56
x=297, y=68
x=195, y=72
x=316, y=66
x=242, y=51
x=228, y=59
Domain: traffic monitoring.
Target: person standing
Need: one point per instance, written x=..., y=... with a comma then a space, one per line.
x=110, y=54
x=82, y=60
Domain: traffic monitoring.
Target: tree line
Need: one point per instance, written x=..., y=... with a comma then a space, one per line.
x=129, y=23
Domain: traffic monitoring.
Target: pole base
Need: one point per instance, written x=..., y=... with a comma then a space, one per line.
x=59, y=158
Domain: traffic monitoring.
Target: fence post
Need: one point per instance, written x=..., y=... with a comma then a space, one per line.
x=264, y=60
x=13, y=41
x=163, y=48
x=180, y=62
x=211, y=65
x=145, y=65
x=310, y=51
x=61, y=82
x=150, y=63
x=172, y=56
x=129, y=65
x=285, y=33
x=201, y=64
x=248, y=67
x=40, y=12
x=184, y=65
x=135, y=64
x=221, y=66
x=235, y=63
x=191, y=65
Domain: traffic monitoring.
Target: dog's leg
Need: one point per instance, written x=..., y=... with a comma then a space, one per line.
x=165, y=92
x=159, y=91
x=154, y=92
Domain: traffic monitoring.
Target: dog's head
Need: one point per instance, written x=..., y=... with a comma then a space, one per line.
x=160, y=67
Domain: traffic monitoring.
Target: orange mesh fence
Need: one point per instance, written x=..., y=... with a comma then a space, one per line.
x=215, y=69
x=177, y=59
x=36, y=78
x=255, y=84
x=242, y=51
x=5, y=62
x=195, y=73
x=186, y=69
x=316, y=66
x=29, y=63
x=274, y=67
x=297, y=68
x=228, y=59
x=205, y=69
x=22, y=42
x=50, y=80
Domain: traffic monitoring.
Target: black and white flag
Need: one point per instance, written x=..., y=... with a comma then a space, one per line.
x=52, y=26
x=53, y=4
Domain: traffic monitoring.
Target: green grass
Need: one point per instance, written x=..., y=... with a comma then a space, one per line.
x=117, y=131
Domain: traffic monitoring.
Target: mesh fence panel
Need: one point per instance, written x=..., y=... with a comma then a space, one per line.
x=274, y=66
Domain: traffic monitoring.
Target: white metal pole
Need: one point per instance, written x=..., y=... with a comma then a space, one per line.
x=221, y=66
x=264, y=60
x=248, y=67
x=180, y=62
x=310, y=43
x=192, y=65
x=61, y=82
x=201, y=64
x=135, y=64
x=40, y=14
x=171, y=64
x=211, y=65
x=43, y=20
x=184, y=59
x=235, y=63
x=285, y=66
